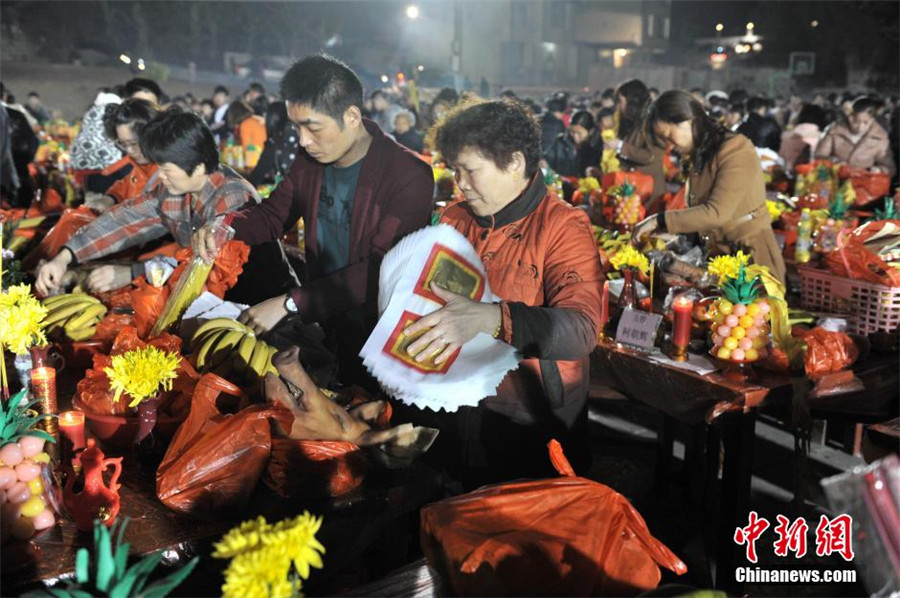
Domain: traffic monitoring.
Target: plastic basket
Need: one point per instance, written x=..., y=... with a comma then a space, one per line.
x=869, y=307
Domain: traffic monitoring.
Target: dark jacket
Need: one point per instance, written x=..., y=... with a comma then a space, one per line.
x=541, y=259
x=411, y=139
x=763, y=131
x=550, y=128
x=563, y=156
x=393, y=199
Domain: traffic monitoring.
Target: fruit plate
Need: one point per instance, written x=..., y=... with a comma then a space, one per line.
x=119, y=430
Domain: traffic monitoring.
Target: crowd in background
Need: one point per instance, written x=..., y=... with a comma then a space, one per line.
x=858, y=129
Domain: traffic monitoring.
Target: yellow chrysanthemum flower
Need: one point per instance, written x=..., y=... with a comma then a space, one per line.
x=142, y=373
x=21, y=319
x=270, y=560
x=629, y=257
x=727, y=266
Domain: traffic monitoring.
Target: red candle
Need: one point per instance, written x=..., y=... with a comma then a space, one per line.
x=71, y=425
x=43, y=386
x=682, y=306
x=604, y=305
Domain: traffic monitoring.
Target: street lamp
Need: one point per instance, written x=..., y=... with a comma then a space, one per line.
x=814, y=23
x=750, y=26
x=719, y=27
x=412, y=12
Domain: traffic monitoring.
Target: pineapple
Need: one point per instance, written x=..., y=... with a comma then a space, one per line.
x=627, y=208
x=739, y=322
x=24, y=509
x=826, y=235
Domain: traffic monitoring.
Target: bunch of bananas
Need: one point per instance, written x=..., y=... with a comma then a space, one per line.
x=75, y=314
x=228, y=348
x=610, y=241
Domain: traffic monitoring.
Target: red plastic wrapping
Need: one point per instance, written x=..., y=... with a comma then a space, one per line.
x=853, y=259
x=227, y=268
x=828, y=352
x=108, y=328
x=643, y=183
x=148, y=302
x=71, y=221
x=560, y=537
x=314, y=468
x=94, y=390
x=215, y=459
x=868, y=186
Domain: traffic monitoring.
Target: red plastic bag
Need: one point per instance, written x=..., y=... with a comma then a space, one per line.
x=148, y=302
x=560, y=537
x=868, y=186
x=110, y=326
x=853, y=259
x=314, y=468
x=643, y=183
x=828, y=352
x=215, y=459
x=71, y=221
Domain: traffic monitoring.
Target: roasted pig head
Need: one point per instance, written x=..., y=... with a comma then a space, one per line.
x=317, y=417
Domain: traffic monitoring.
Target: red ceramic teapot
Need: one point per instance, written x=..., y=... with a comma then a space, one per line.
x=95, y=500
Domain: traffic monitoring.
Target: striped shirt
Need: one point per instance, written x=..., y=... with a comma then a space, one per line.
x=157, y=212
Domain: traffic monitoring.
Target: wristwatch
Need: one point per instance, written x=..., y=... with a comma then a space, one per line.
x=289, y=304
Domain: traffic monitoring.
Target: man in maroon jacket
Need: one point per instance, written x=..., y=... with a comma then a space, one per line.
x=358, y=191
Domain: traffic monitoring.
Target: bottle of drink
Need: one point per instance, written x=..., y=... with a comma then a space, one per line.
x=804, y=237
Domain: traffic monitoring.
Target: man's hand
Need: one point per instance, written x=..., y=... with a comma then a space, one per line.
x=50, y=274
x=644, y=228
x=452, y=326
x=204, y=244
x=262, y=317
x=108, y=278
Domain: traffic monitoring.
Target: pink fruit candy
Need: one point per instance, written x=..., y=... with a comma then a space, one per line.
x=44, y=519
x=31, y=446
x=737, y=355
x=752, y=332
x=739, y=310
x=759, y=320
x=7, y=477
x=19, y=493
x=764, y=307
x=732, y=321
x=2, y=497
x=27, y=470
x=11, y=454
x=717, y=340
x=746, y=343
x=724, y=331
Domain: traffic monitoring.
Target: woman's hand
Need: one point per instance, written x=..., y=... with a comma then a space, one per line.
x=108, y=278
x=50, y=274
x=263, y=316
x=644, y=228
x=452, y=326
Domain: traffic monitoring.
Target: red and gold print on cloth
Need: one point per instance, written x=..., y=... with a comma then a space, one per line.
x=451, y=271
x=398, y=343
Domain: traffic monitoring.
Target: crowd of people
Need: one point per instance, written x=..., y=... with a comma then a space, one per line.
x=356, y=169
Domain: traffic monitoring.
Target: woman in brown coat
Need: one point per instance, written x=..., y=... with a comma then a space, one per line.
x=726, y=193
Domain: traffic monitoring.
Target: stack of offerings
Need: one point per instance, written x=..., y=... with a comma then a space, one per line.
x=442, y=255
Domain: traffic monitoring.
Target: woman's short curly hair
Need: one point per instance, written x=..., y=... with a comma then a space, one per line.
x=497, y=129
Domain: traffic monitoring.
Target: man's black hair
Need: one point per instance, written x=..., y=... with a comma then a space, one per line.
x=324, y=84
x=605, y=113
x=757, y=102
x=377, y=93
x=137, y=84
x=220, y=89
x=133, y=111
x=180, y=138
x=866, y=104
x=33, y=94
x=608, y=93
x=257, y=87
x=556, y=104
